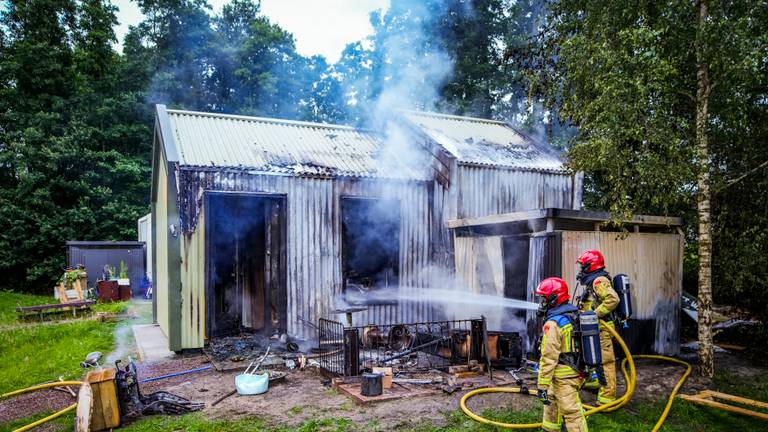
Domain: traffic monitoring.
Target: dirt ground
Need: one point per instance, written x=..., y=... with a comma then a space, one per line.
x=30, y=404
x=306, y=394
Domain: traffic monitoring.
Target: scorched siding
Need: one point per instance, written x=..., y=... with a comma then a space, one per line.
x=653, y=263
x=483, y=191
x=160, y=234
x=314, y=239
x=193, y=287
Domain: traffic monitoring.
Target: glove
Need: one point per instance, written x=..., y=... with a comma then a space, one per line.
x=542, y=394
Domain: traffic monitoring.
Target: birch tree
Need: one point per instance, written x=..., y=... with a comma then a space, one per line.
x=639, y=81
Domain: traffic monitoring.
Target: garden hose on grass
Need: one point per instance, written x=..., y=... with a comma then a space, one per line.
x=40, y=387
x=629, y=376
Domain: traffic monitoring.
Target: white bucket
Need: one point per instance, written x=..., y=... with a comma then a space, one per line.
x=247, y=384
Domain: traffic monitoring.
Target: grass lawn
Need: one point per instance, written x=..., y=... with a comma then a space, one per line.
x=9, y=300
x=37, y=353
x=34, y=352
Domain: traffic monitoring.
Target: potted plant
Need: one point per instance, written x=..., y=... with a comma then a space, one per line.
x=122, y=278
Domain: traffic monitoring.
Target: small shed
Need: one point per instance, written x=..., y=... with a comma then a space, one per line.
x=509, y=254
x=95, y=255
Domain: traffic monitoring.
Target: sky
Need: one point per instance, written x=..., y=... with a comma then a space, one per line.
x=322, y=27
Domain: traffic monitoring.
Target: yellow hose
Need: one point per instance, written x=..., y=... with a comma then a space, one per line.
x=40, y=387
x=46, y=419
x=629, y=376
x=675, y=390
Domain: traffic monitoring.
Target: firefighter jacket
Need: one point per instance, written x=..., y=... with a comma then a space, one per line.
x=601, y=297
x=557, y=343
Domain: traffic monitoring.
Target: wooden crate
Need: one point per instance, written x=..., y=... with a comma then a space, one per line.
x=106, y=408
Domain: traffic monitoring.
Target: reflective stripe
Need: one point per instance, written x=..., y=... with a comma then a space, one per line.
x=604, y=400
x=609, y=324
x=567, y=339
x=602, y=310
x=551, y=426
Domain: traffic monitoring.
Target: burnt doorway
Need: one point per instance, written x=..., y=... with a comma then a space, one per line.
x=370, y=244
x=246, y=274
x=515, y=251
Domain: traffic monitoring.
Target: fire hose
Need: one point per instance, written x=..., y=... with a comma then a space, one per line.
x=629, y=376
x=40, y=387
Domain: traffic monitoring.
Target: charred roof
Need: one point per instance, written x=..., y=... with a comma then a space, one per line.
x=476, y=141
x=286, y=147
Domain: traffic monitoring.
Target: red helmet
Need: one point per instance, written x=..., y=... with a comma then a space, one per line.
x=554, y=290
x=591, y=260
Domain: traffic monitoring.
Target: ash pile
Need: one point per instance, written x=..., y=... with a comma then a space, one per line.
x=235, y=352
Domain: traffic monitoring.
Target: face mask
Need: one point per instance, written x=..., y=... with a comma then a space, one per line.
x=543, y=307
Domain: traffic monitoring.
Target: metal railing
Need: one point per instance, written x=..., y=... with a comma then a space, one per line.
x=330, y=353
x=408, y=347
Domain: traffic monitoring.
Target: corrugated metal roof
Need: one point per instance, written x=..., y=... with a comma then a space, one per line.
x=484, y=142
x=283, y=147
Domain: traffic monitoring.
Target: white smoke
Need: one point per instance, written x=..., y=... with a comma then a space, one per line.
x=413, y=70
x=123, y=335
x=450, y=299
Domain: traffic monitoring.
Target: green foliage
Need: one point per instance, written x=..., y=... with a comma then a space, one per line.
x=123, y=270
x=76, y=144
x=625, y=75
x=111, y=307
x=454, y=47
x=76, y=116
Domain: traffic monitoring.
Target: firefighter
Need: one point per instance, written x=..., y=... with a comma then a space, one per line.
x=559, y=376
x=600, y=296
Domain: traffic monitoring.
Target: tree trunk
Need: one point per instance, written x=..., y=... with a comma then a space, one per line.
x=703, y=89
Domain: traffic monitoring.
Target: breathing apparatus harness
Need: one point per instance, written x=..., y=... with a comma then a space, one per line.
x=621, y=285
x=585, y=354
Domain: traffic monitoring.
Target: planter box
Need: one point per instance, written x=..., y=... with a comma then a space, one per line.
x=108, y=290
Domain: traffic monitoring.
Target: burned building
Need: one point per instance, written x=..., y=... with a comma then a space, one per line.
x=509, y=254
x=260, y=224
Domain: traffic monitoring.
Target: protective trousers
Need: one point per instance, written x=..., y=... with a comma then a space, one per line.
x=565, y=406
x=607, y=393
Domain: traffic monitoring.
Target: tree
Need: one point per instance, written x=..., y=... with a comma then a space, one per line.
x=76, y=145
x=703, y=195
x=640, y=81
x=35, y=65
x=436, y=55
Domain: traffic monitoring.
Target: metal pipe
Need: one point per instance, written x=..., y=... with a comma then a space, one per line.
x=161, y=377
x=414, y=349
x=485, y=348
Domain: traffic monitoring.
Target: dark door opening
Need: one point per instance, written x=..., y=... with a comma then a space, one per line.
x=515, y=253
x=245, y=247
x=370, y=231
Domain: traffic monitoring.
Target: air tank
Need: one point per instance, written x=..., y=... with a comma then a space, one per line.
x=621, y=285
x=589, y=329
